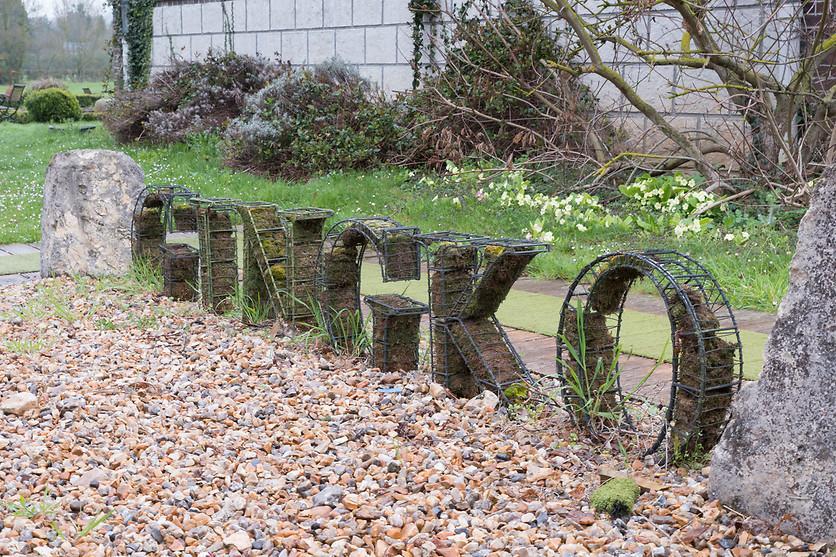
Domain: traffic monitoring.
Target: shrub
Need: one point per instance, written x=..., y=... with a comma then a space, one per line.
x=311, y=121
x=52, y=105
x=46, y=83
x=189, y=98
x=494, y=97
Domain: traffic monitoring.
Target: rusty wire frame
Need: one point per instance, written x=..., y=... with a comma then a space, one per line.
x=353, y=236
x=687, y=289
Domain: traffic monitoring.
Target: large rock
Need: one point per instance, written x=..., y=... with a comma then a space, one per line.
x=89, y=198
x=777, y=457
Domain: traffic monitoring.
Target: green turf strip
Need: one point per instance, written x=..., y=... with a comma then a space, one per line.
x=643, y=334
x=13, y=264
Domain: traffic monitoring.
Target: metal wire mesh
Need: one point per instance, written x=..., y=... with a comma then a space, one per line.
x=218, y=239
x=706, y=358
x=470, y=276
x=396, y=324
x=180, y=271
x=340, y=264
x=266, y=255
x=152, y=218
x=305, y=227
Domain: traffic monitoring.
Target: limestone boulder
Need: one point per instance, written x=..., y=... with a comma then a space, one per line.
x=777, y=457
x=89, y=198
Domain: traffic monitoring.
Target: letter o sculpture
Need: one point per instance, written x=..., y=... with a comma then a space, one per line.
x=706, y=356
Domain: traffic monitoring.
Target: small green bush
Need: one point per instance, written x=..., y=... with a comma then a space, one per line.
x=311, y=121
x=22, y=116
x=52, y=105
x=617, y=496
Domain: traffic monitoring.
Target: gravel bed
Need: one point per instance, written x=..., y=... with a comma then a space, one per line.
x=187, y=433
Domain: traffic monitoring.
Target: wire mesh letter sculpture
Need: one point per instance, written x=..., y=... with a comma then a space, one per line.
x=470, y=277
x=340, y=264
x=706, y=356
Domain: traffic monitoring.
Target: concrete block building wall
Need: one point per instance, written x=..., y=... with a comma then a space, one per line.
x=376, y=37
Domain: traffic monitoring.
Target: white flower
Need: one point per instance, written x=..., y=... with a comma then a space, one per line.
x=548, y=237
x=728, y=237
x=581, y=227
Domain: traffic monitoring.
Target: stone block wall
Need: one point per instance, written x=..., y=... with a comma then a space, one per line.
x=374, y=35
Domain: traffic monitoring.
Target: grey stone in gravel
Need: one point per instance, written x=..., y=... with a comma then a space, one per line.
x=330, y=496
x=155, y=532
x=777, y=457
x=89, y=197
x=18, y=403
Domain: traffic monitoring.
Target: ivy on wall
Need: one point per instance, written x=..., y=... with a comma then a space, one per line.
x=423, y=11
x=139, y=39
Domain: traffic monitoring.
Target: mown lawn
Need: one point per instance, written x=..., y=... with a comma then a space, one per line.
x=755, y=274
x=75, y=87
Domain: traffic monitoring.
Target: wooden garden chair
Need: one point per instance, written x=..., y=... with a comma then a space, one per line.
x=11, y=101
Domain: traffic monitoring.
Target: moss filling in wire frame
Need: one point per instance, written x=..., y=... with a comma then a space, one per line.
x=265, y=257
x=305, y=228
x=707, y=357
x=342, y=255
x=485, y=348
x=218, y=253
x=452, y=268
x=180, y=271
x=149, y=228
x=183, y=216
x=396, y=326
x=700, y=414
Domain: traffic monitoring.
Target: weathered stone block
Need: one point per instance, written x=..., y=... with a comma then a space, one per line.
x=320, y=46
x=237, y=11
x=258, y=15
x=396, y=11
x=245, y=43
x=397, y=78
x=191, y=18
x=270, y=44
x=157, y=21
x=200, y=46
x=172, y=23
x=380, y=45
x=351, y=45
x=89, y=198
x=368, y=12
x=404, y=45
x=282, y=14
x=777, y=457
x=212, y=17
x=295, y=46
x=372, y=73
x=160, y=51
x=337, y=13
x=308, y=15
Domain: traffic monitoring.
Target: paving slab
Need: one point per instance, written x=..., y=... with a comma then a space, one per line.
x=18, y=249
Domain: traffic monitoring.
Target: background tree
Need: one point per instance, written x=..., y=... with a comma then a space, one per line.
x=758, y=78
x=14, y=35
x=84, y=34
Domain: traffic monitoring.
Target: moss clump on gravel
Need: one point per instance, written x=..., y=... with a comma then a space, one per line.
x=617, y=496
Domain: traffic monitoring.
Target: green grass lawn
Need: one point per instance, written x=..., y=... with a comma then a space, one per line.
x=75, y=87
x=755, y=274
